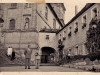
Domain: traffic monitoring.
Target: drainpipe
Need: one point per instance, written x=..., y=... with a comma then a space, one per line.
x=76, y=9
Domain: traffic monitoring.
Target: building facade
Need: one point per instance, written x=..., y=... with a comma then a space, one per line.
x=29, y=23
x=75, y=31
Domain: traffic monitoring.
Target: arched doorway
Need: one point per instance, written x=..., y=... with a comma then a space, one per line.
x=47, y=56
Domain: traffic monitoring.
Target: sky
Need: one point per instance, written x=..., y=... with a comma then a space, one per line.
x=70, y=10
x=70, y=6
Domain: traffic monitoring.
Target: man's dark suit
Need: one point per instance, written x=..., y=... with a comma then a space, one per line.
x=27, y=53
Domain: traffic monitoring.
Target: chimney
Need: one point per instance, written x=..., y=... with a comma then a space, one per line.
x=76, y=9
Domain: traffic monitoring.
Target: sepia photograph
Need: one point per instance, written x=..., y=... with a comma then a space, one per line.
x=50, y=37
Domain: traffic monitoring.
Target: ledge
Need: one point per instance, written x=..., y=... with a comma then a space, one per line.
x=49, y=30
x=18, y=30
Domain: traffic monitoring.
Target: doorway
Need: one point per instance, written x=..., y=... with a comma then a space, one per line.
x=46, y=55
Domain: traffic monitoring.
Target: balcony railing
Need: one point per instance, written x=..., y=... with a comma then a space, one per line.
x=59, y=41
x=76, y=30
x=64, y=38
x=69, y=34
x=84, y=25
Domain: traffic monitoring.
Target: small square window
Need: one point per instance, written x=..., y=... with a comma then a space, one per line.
x=47, y=37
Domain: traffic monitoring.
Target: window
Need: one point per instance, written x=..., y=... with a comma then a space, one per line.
x=28, y=5
x=64, y=32
x=69, y=31
x=69, y=52
x=84, y=21
x=12, y=24
x=26, y=26
x=76, y=27
x=47, y=37
x=13, y=5
x=94, y=12
x=46, y=12
x=77, y=50
x=54, y=23
x=60, y=36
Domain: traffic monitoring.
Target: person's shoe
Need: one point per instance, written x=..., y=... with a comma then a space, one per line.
x=29, y=68
x=25, y=68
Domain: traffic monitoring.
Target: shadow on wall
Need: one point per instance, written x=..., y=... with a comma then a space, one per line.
x=20, y=54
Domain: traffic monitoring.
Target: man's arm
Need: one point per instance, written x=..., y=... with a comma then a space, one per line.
x=25, y=52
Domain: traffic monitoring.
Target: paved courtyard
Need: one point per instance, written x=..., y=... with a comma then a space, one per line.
x=41, y=69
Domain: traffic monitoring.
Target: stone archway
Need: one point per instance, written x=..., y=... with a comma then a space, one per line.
x=46, y=56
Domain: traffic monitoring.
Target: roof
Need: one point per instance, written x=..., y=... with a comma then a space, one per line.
x=86, y=7
x=52, y=10
x=49, y=30
x=63, y=6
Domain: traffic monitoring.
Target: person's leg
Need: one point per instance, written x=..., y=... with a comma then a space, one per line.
x=36, y=64
x=29, y=63
x=25, y=63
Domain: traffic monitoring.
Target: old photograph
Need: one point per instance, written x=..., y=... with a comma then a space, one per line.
x=35, y=37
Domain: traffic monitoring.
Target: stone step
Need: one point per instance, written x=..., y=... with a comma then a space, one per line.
x=7, y=60
x=47, y=64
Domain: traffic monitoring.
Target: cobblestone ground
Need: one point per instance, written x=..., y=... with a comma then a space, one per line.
x=41, y=69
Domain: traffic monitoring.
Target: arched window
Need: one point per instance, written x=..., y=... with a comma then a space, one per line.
x=26, y=23
x=12, y=24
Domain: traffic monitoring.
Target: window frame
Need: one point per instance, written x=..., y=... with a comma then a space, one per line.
x=76, y=26
x=84, y=22
x=69, y=29
x=64, y=32
x=47, y=37
x=92, y=11
x=77, y=49
x=60, y=36
x=84, y=16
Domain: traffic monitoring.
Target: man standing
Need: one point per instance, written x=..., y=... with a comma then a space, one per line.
x=28, y=53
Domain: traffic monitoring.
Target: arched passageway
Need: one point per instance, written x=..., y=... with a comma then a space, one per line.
x=46, y=56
